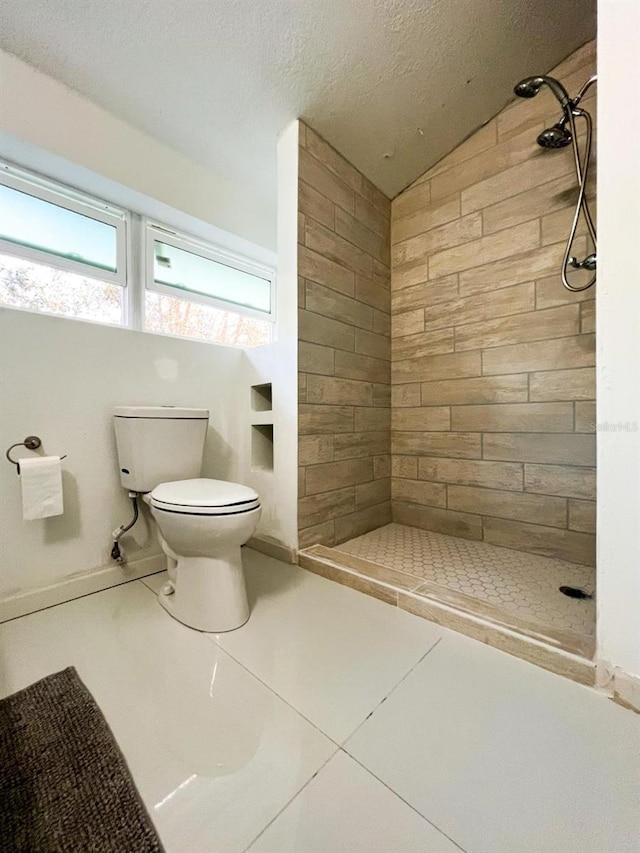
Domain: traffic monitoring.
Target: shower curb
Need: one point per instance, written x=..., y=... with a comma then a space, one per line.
x=536, y=650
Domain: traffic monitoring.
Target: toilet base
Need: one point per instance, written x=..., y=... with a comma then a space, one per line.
x=209, y=593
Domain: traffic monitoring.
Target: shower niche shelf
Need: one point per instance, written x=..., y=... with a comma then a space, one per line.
x=262, y=447
x=261, y=398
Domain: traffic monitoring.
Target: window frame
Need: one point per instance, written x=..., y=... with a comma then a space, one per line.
x=152, y=231
x=68, y=199
x=135, y=255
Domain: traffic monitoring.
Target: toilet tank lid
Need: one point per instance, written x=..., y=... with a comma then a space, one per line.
x=159, y=412
x=203, y=492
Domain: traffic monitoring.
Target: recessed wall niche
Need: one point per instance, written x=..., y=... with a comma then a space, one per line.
x=262, y=447
x=261, y=398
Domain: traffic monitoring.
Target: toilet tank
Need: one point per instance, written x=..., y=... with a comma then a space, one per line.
x=158, y=444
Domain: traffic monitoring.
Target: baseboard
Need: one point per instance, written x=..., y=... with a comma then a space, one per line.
x=623, y=687
x=273, y=548
x=79, y=585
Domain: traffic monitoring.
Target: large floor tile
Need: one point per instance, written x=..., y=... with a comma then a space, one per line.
x=333, y=653
x=215, y=754
x=344, y=808
x=506, y=758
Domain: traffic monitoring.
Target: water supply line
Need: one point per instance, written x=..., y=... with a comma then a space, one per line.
x=117, y=553
x=559, y=137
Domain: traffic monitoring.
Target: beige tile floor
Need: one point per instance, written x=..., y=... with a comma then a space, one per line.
x=522, y=583
x=333, y=723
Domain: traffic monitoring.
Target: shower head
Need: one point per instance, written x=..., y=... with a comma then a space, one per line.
x=557, y=136
x=530, y=86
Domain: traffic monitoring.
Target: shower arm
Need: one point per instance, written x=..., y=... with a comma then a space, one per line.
x=581, y=172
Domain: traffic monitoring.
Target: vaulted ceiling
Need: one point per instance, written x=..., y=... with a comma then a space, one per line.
x=392, y=84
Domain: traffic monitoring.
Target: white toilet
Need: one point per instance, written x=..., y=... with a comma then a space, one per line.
x=202, y=523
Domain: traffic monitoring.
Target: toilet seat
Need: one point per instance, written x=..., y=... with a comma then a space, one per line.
x=202, y=496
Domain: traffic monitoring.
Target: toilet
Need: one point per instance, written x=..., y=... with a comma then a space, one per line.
x=201, y=523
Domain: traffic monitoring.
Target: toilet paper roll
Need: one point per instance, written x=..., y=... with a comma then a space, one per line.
x=41, y=480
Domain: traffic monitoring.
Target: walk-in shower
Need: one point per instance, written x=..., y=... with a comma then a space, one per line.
x=559, y=136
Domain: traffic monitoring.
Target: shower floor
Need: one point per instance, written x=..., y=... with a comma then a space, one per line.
x=515, y=588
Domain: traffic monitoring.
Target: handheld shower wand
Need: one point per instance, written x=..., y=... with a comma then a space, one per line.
x=559, y=136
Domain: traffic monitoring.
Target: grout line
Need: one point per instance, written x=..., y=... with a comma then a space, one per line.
x=406, y=802
x=288, y=803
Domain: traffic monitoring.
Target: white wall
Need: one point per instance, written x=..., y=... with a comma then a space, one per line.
x=40, y=111
x=618, y=335
x=60, y=380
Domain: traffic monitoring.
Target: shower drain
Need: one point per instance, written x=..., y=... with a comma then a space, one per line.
x=575, y=592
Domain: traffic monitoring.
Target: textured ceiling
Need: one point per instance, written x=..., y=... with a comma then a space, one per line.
x=392, y=84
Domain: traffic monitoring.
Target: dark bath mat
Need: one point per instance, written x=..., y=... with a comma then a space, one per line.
x=64, y=784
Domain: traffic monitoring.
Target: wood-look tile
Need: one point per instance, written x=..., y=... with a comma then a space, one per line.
x=530, y=204
x=582, y=516
x=561, y=221
x=336, y=248
x=513, y=417
x=504, y=244
x=381, y=274
x=315, y=267
x=439, y=520
x=328, y=569
x=566, y=480
x=336, y=306
x=433, y=342
x=332, y=476
x=318, y=508
x=332, y=160
x=360, y=445
x=449, y=366
x=410, y=274
x=359, y=235
x=316, y=329
x=313, y=358
x=302, y=387
x=369, y=419
x=375, y=571
x=407, y=323
x=576, y=384
x=374, y=345
x=376, y=492
x=413, y=200
x=583, y=56
x=537, y=509
x=313, y=419
x=480, y=141
x=425, y=294
x=561, y=353
x=313, y=449
x=484, y=389
x=381, y=466
x=381, y=394
x=381, y=323
x=405, y=395
x=588, y=317
x=373, y=217
x=551, y=292
x=362, y=521
x=519, y=328
x=463, y=445
x=422, y=418
x=537, y=263
x=585, y=416
x=547, y=541
x=404, y=467
x=373, y=294
x=332, y=390
x=424, y=218
x=321, y=179
x=554, y=448
x=349, y=365
x=302, y=471
x=483, y=306
x=324, y=533
x=419, y=492
x=471, y=472
x=445, y=236
x=314, y=205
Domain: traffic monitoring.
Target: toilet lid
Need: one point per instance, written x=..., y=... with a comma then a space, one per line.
x=204, y=496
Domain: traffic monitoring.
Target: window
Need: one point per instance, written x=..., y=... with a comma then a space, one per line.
x=199, y=291
x=64, y=253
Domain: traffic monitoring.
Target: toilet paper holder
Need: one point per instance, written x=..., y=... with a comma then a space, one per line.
x=31, y=442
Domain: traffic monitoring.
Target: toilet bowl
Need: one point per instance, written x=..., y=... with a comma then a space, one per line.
x=202, y=525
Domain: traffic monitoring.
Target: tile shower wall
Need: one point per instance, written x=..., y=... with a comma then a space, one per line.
x=344, y=348
x=493, y=360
